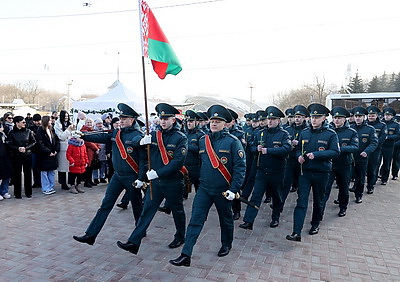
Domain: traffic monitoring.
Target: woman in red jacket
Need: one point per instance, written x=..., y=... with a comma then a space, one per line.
x=78, y=161
x=92, y=150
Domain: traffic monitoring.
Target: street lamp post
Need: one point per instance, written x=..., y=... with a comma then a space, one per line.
x=69, y=96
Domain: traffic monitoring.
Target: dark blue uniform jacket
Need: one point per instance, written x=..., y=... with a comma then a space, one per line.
x=130, y=137
x=230, y=151
x=323, y=143
x=277, y=142
x=348, y=142
x=368, y=141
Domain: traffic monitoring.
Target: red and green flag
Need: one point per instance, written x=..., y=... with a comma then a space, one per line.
x=155, y=44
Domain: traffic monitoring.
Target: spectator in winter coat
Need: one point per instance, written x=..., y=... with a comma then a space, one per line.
x=63, y=129
x=92, y=150
x=21, y=140
x=48, y=148
x=78, y=162
x=5, y=166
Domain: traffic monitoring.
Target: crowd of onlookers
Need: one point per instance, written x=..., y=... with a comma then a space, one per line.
x=34, y=148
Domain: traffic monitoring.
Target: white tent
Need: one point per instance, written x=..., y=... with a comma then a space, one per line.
x=117, y=93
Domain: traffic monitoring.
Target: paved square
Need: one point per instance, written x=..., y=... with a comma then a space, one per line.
x=37, y=245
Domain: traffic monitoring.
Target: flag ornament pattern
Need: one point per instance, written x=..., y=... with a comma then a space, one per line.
x=156, y=46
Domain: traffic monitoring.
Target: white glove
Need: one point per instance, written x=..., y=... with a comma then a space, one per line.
x=229, y=195
x=152, y=174
x=138, y=184
x=145, y=140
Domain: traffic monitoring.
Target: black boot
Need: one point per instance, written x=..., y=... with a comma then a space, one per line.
x=183, y=260
x=129, y=246
x=88, y=239
x=246, y=225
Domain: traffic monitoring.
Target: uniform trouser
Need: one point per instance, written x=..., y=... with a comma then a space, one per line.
x=172, y=191
x=22, y=163
x=342, y=176
x=317, y=181
x=372, y=168
x=249, y=184
x=292, y=173
x=396, y=161
x=387, y=156
x=264, y=182
x=201, y=206
x=115, y=187
x=360, y=171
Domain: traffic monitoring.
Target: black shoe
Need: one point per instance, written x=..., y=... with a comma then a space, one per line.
x=122, y=206
x=274, y=223
x=87, y=185
x=358, y=200
x=236, y=215
x=267, y=200
x=103, y=180
x=370, y=191
x=92, y=183
x=293, y=189
x=342, y=213
x=224, y=251
x=336, y=202
x=183, y=260
x=314, y=230
x=88, y=239
x=164, y=210
x=383, y=183
x=128, y=246
x=176, y=243
x=96, y=181
x=352, y=189
x=246, y=225
x=394, y=178
x=294, y=237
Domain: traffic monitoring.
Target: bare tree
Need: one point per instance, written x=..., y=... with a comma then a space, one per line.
x=318, y=90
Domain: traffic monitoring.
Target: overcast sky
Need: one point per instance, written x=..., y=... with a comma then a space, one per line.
x=223, y=45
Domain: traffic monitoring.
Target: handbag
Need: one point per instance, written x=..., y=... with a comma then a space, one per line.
x=95, y=163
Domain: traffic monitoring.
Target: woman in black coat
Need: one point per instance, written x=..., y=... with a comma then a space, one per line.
x=5, y=166
x=48, y=147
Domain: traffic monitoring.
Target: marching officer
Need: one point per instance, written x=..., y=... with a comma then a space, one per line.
x=375, y=156
x=272, y=145
x=130, y=165
x=318, y=145
x=348, y=142
x=290, y=118
x=193, y=134
x=222, y=170
x=396, y=155
x=168, y=149
x=292, y=170
x=393, y=134
x=239, y=134
x=368, y=142
x=249, y=178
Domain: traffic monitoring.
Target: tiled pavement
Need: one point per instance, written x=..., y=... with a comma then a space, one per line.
x=36, y=243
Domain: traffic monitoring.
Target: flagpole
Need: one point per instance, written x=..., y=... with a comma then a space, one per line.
x=145, y=96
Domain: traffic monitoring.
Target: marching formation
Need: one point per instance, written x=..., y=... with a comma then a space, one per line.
x=227, y=165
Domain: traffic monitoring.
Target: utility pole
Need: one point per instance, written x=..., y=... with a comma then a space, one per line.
x=251, y=86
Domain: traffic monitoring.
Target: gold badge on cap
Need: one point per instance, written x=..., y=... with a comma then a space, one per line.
x=270, y=114
x=215, y=114
x=315, y=112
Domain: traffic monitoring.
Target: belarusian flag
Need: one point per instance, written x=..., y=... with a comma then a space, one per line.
x=156, y=45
